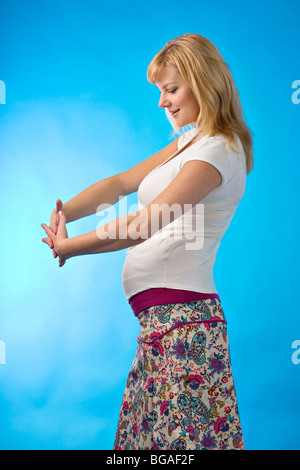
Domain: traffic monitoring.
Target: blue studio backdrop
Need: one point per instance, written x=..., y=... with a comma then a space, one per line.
x=75, y=108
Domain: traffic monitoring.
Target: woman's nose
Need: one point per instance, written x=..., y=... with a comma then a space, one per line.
x=163, y=101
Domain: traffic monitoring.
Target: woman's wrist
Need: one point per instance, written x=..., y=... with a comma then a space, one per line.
x=63, y=248
x=66, y=212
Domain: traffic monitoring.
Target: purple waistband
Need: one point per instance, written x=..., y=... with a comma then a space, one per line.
x=162, y=296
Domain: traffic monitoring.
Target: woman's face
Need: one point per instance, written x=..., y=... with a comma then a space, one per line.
x=177, y=97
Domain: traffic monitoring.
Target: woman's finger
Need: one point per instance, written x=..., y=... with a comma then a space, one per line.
x=61, y=262
x=62, y=230
x=48, y=242
x=51, y=236
x=48, y=231
x=59, y=205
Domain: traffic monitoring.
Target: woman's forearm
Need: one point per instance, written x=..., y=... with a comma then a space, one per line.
x=114, y=236
x=106, y=191
x=123, y=232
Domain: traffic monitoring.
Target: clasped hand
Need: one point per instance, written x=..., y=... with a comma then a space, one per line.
x=56, y=232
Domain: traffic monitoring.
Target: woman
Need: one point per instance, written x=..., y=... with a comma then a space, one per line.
x=180, y=391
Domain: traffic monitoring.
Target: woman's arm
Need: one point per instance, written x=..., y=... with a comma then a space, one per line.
x=85, y=203
x=109, y=190
x=194, y=181
x=106, y=191
x=113, y=236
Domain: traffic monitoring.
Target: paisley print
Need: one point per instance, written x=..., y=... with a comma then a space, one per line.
x=178, y=444
x=164, y=313
x=192, y=405
x=198, y=348
x=202, y=307
x=180, y=393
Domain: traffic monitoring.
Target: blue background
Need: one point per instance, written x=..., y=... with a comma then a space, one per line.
x=79, y=109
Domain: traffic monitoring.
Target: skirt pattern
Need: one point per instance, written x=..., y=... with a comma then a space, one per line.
x=180, y=392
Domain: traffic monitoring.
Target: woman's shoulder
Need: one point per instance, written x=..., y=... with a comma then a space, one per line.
x=215, y=150
x=188, y=135
x=218, y=142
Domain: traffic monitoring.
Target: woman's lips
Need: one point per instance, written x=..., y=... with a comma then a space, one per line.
x=174, y=114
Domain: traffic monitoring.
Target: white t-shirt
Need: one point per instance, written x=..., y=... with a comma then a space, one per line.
x=182, y=254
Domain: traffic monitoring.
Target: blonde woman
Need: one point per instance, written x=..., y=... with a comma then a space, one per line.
x=180, y=392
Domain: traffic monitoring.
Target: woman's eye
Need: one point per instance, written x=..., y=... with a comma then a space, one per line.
x=173, y=91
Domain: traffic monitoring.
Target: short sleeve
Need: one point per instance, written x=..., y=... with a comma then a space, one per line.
x=211, y=150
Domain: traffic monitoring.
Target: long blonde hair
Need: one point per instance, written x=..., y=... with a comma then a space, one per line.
x=203, y=68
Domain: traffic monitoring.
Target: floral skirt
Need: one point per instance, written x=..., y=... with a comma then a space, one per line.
x=180, y=391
